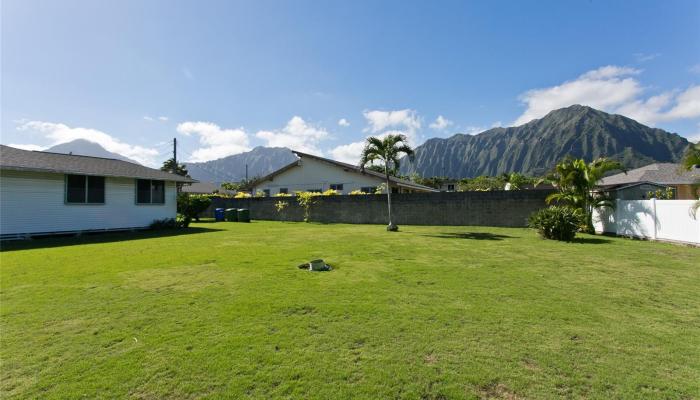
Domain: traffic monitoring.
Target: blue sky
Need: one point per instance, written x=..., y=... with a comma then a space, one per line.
x=226, y=76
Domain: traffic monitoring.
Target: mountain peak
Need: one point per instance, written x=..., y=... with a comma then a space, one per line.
x=84, y=147
x=535, y=147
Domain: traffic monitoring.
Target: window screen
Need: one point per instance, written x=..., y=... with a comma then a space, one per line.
x=75, y=188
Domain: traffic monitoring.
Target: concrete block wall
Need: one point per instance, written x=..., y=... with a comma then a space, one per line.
x=497, y=208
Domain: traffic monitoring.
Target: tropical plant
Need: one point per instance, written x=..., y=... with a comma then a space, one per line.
x=281, y=206
x=665, y=194
x=191, y=205
x=481, y=184
x=387, y=151
x=557, y=222
x=575, y=180
x=691, y=159
x=171, y=166
x=306, y=200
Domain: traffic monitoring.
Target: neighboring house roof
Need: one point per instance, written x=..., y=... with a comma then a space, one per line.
x=622, y=186
x=41, y=161
x=660, y=173
x=205, y=188
x=347, y=167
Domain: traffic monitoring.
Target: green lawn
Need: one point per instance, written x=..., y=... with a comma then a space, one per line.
x=428, y=312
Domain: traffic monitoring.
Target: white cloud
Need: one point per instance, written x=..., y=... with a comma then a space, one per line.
x=473, y=130
x=61, y=133
x=216, y=142
x=343, y=122
x=349, y=153
x=381, y=120
x=496, y=124
x=152, y=119
x=644, y=57
x=613, y=89
x=30, y=147
x=296, y=135
x=440, y=123
x=603, y=88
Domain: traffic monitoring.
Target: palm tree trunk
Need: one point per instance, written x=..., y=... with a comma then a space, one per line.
x=391, y=226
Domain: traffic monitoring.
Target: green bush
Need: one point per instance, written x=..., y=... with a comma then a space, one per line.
x=191, y=205
x=165, y=223
x=557, y=222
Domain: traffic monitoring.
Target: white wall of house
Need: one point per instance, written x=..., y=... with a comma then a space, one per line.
x=32, y=202
x=651, y=219
x=318, y=175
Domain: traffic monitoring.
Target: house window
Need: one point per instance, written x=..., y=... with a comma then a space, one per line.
x=368, y=189
x=337, y=186
x=82, y=189
x=266, y=192
x=451, y=188
x=394, y=190
x=284, y=190
x=150, y=191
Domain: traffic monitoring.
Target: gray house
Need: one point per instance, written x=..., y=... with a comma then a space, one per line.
x=635, y=184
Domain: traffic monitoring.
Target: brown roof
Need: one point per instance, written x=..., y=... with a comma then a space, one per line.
x=354, y=168
x=42, y=161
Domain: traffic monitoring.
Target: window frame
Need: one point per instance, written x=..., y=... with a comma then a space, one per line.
x=284, y=191
x=150, y=192
x=86, y=191
x=336, y=186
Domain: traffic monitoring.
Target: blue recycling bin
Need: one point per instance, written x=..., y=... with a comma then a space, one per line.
x=219, y=214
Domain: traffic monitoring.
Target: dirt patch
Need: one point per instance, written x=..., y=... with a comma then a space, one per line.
x=497, y=391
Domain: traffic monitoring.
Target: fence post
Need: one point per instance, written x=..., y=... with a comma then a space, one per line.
x=653, y=215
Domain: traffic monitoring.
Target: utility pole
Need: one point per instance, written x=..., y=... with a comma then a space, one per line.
x=175, y=152
x=246, y=173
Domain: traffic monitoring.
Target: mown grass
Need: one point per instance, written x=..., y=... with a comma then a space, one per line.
x=428, y=312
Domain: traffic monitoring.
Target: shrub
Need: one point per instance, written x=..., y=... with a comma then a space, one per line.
x=283, y=195
x=191, y=205
x=306, y=200
x=165, y=223
x=666, y=194
x=259, y=193
x=557, y=222
x=330, y=192
x=357, y=192
x=242, y=195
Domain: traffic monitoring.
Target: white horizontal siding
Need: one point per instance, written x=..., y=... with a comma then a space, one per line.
x=315, y=174
x=32, y=202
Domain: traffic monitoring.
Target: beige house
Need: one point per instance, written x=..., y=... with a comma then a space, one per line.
x=317, y=174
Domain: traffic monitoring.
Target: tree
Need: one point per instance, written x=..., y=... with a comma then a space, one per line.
x=179, y=169
x=575, y=181
x=691, y=159
x=388, y=151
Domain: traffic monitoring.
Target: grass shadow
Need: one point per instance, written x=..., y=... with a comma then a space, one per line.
x=471, y=236
x=591, y=240
x=97, y=237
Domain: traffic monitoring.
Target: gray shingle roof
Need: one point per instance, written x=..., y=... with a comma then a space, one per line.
x=41, y=161
x=662, y=173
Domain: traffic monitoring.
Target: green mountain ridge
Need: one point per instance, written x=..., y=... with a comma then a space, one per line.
x=535, y=147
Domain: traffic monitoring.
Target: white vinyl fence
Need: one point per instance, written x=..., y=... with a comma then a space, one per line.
x=651, y=219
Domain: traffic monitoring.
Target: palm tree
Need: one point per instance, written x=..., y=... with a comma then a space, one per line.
x=691, y=159
x=388, y=151
x=575, y=181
